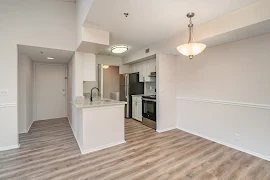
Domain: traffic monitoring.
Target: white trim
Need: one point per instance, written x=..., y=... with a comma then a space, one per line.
x=10, y=147
x=51, y=119
x=102, y=147
x=232, y=103
x=166, y=129
x=23, y=132
x=80, y=147
x=30, y=126
x=5, y=105
x=227, y=144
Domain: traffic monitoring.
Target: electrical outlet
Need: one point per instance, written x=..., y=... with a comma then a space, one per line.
x=237, y=137
x=3, y=92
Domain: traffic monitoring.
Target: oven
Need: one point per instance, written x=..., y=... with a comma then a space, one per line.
x=149, y=112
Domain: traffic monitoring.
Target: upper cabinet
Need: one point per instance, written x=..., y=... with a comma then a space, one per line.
x=144, y=68
x=89, y=67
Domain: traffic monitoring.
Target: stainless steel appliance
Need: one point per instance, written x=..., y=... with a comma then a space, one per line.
x=149, y=111
x=130, y=85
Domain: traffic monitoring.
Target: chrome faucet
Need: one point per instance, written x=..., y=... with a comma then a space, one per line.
x=91, y=96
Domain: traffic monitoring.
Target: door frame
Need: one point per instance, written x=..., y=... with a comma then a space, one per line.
x=35, y=89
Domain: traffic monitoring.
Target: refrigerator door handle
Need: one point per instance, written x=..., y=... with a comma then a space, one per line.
x=126, y=86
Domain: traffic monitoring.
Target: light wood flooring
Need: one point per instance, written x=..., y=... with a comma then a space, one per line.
x=50, y=151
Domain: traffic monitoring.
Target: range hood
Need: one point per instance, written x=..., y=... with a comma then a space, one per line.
x=152, y=74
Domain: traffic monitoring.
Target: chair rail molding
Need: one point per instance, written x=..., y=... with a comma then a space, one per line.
x=5, y=105
x=232, y=103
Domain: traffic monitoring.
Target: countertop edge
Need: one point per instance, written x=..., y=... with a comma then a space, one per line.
x=81, y=106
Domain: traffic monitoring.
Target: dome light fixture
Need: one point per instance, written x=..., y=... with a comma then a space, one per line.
x=191, y=48
x=105, y=66
x=118, y=49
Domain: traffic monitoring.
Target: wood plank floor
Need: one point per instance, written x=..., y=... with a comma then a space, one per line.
x=49, y=151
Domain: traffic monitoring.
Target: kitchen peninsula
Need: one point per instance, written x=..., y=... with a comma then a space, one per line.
x=99, y=124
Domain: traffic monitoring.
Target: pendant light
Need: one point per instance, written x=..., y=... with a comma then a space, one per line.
x=191, y=48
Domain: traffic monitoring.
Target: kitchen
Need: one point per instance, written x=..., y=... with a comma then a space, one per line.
x=138, y=89
x=113, y=93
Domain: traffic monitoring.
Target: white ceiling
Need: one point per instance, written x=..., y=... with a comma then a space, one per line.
x=34, y=53
x=151, y=21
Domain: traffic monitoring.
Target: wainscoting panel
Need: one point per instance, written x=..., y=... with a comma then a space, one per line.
x=8, y=131
x=242, y=126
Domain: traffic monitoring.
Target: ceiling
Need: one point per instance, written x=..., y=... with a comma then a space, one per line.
x=34, y=53
x=151, y=21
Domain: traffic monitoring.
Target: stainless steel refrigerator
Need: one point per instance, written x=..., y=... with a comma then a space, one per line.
x=130, y=85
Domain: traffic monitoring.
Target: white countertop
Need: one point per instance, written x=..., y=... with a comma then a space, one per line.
x=98, y=102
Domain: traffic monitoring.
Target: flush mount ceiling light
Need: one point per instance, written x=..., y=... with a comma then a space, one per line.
x=119, y=49
x=192, y=48
x=50, y=58
x=105, y=66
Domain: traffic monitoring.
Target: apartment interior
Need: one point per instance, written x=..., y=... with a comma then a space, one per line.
x=101, y=89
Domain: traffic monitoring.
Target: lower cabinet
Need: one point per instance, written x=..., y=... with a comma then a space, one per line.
x=137, y=108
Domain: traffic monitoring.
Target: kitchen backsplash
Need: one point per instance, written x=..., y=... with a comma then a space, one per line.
x=149, y=88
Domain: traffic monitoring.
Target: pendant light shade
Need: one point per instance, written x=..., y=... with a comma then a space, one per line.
x=119, y=49
x=191, y=48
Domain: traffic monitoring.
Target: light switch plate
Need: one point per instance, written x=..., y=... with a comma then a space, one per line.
x=3, y=92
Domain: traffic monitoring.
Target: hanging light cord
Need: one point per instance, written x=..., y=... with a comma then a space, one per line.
x=190, y=26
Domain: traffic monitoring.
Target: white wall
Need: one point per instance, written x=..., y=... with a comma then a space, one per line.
x=70, y=84
x=82, y=9
x=109, y=60
x=25, y=93
x=225, y=91
x=166, y=104
x=39, y=23
x=111, y=81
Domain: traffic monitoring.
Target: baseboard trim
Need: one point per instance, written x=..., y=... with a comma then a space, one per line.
x=232, y=103
x=24, y=132
x=166, y=129
x=10, y=147
x=227, y=144
x=80, y=147
x=30, y=126
x=102, y=147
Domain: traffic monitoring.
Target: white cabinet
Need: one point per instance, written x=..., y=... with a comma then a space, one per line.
x=137, y=108
x=89, y=67
x=134, y=108
x=146, y=68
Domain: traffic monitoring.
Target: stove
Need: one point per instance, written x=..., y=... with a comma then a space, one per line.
x=149, y=111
